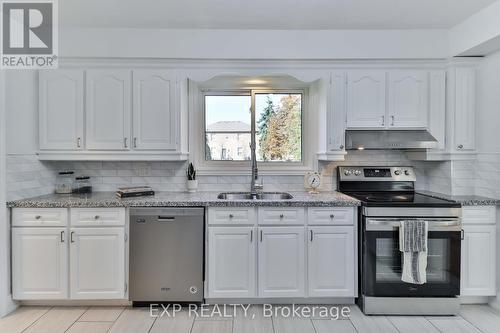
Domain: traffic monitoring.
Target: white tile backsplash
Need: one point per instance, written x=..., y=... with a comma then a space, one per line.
x=27, y=176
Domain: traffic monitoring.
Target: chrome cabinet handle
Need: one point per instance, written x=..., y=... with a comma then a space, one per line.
x=462, y=234
x=62, y=236
x=460, y=146
x=251, y=236
x=71, y=237
x=261, y=236
x=135, y=142
x=383, y=120
x=312, y=235
x=79, y=142
x=392, y=120
x=125, y=142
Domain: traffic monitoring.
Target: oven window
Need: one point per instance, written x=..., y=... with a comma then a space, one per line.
x=389, y=260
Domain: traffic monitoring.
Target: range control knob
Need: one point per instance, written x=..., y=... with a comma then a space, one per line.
x=407, y=172
x=348, y=172
x=357, y=172
x=397, y=172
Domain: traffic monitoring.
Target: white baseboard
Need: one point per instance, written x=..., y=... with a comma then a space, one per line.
x=474, y=299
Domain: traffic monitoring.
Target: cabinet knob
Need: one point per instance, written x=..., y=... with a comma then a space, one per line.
x=460, y=146
x=231, y=216
x=341, y=147
x=38, y=217
x=282, y=216
x=332, y=216
x=96, y=217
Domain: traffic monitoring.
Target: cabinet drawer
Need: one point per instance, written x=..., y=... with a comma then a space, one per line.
x=97, y=216
x=281, y=215
x=231, y=215
x=39, y=217
x=329, y=216
x=478, y=215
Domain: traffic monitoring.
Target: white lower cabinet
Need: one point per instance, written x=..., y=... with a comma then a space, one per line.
x=281, y=262
x=232, y=262
x=478, y=261
x=478, y=256
x=331, y=261
x=39, y=263
x=97, y=263
x=268, y=258
x=68, y=262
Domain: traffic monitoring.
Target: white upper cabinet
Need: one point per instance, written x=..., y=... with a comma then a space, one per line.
x=61, y=109
x=465, y=109
x=366, y=99
x=97, y=259
x=108, y=109
x=39, y=263
x=408, y=100
x=336, y=112
x=281, y=267
x=155, y=113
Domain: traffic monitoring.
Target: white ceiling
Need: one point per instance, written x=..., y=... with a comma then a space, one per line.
x=269, y=14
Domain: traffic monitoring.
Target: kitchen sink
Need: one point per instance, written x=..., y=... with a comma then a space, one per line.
x=258, y=196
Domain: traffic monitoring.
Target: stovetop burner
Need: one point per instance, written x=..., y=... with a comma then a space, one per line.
x=406, y=199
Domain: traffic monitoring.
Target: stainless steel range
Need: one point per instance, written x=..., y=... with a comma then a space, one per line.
x=388, y=196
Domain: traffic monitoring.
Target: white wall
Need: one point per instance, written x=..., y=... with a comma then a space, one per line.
x=254, y=44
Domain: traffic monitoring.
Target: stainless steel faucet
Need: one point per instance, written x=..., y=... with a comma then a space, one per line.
x=254, y=187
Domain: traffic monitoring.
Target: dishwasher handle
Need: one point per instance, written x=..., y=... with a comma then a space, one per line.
x=163, y=218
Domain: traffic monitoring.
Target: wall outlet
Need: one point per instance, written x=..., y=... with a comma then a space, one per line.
x=143, y=171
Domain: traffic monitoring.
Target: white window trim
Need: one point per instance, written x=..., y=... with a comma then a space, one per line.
x=220, y=168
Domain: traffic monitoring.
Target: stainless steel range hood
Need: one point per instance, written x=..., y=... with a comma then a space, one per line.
x=375, y=139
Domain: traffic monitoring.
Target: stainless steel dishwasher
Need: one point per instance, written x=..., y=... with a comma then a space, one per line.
x=166, y=255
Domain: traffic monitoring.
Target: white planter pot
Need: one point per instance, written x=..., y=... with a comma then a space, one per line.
x=192, y=185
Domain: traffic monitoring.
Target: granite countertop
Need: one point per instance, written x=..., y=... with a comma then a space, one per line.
x=178, y=199
x=464, y=200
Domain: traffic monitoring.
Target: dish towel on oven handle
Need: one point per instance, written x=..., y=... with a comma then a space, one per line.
x=413, y=244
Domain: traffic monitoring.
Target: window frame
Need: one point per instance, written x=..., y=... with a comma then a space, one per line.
x=235, y=167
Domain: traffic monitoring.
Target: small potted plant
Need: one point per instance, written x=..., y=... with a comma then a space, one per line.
x=192, y=182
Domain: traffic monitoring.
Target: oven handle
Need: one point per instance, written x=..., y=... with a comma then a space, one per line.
x=392, y=224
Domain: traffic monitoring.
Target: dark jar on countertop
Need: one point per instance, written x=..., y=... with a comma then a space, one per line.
x=82, y=185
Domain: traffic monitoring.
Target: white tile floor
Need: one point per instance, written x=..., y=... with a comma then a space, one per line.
x=472, y=318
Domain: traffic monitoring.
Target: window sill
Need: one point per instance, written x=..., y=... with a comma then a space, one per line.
x=265, y=170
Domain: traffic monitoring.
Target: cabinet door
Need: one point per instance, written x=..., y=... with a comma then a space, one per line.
x=108, y=109
x=408, y=99
x=336, y=117
x=366, y=99
x=465, y=109
x=61, y=109
x=478, y=272
x=39, y=263
x=281, y=262
x=231, y=262
x=97, y=263
x=155, y=113
x=331, y=261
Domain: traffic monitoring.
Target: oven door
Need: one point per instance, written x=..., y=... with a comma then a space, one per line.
x=382, y=261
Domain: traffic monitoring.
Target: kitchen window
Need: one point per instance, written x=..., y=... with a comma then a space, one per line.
x=276, y=116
